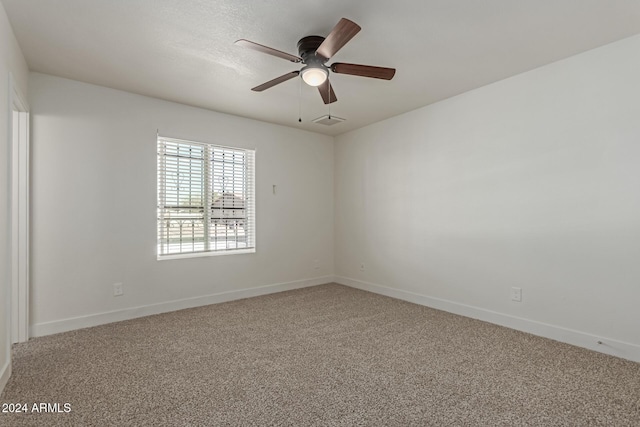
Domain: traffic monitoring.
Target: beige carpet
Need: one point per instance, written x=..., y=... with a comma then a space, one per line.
x=327, y=355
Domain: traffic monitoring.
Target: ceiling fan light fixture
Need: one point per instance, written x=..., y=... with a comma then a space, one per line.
x=314, y=52
x=314, y=76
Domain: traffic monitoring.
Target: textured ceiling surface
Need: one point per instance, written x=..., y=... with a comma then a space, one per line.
x=183, y=51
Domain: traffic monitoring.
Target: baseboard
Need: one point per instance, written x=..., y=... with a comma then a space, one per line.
x=5, y=374
x=73, y=323
x=605, y=345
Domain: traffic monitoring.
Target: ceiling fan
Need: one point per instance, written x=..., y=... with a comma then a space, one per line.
x=314, y=52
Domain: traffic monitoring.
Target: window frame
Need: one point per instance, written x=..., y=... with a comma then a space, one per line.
x=250, y=165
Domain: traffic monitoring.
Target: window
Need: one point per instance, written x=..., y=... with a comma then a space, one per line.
x=205, y=198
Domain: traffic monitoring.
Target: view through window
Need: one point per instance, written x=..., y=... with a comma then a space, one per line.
x=205, y=198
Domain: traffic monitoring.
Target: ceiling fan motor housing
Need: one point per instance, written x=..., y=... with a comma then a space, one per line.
x=307, y=47
x=314, y=68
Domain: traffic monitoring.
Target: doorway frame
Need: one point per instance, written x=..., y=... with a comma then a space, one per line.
x=19, y=137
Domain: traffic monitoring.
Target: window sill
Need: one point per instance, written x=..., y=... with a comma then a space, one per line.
x=205, y=254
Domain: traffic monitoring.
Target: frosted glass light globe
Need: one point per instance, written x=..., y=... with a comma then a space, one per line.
x=314, y=76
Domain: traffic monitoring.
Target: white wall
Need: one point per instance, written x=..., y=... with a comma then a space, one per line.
x=11, y=61
x=531, y=182
x=94, y=206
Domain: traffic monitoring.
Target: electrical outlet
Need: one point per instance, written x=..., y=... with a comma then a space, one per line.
x=118, y=290
x=316, y=264
x=362, y=266
x=516, y=294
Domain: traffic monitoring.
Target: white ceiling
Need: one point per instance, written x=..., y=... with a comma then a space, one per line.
x=183, y=51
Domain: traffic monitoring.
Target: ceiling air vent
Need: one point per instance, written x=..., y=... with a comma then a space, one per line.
x=328, y=120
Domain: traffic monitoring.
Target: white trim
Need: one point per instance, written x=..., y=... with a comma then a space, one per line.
x=206, y=253
x=5, y=374
x=609, y=346
x=19, y=137
x=189, y=141
x=64, y=325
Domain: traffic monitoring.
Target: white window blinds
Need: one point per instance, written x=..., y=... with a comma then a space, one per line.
x=205, y=198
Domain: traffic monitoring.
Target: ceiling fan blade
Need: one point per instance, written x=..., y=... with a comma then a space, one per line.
x=363, y=70
x=327, y=93
x=277, y=80
x=268, y=50
x=338, y=37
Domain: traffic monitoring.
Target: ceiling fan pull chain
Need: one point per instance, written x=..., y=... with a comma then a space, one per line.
x=329, y=96
x=300, y=102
